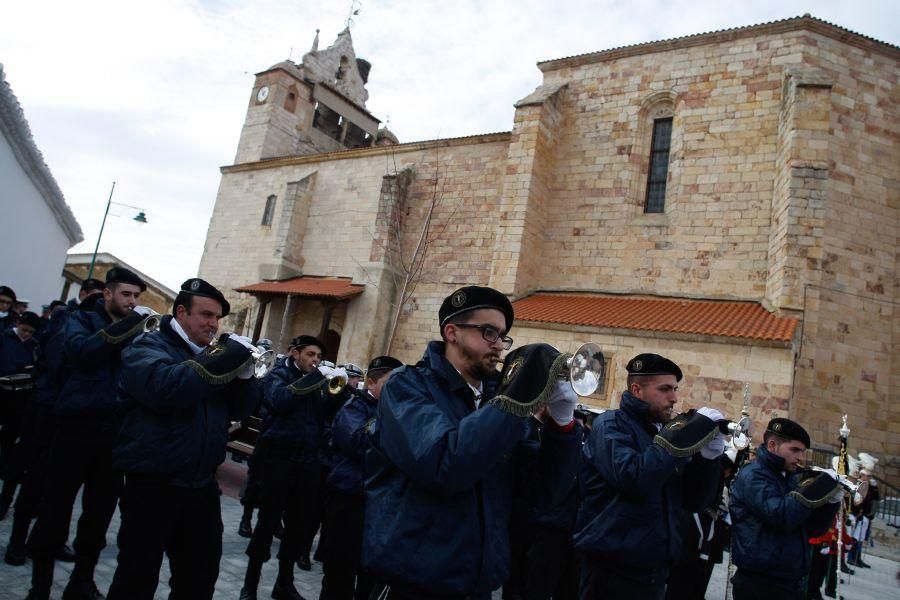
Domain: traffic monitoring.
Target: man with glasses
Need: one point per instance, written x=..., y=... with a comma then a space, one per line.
x=439, y=474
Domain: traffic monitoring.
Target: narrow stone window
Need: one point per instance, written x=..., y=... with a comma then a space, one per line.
x=269, y=211
x=659, y=166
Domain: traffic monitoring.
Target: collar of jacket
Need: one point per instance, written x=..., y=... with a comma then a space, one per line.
x=165, y=328
x=638, y=410
x=436, y=360
x=98, y=306
x=771, y=461
x=90, y=302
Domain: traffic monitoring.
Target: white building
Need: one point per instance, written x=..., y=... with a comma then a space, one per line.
x=38, y=226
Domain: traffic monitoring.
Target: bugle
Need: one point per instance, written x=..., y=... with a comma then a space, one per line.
x=152, y=321
x=851, y=487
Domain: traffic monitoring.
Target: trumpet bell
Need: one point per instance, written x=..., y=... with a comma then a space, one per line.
x=151, y=323
x=335, y=385
x=586, y=369
x=263, y=363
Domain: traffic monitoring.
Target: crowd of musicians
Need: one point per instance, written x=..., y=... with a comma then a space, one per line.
x=471, y=471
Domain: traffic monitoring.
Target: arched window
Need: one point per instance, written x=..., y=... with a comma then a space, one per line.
x=269, y=211
x=652, y=151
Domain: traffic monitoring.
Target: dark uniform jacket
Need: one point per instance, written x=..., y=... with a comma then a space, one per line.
x=16, y=356
x=633, y=491
x=350, y=440
x=770, y=528
x=174, y=423
x=439, y=480
x=295, y=420
x=50, y=364
x=88, y=392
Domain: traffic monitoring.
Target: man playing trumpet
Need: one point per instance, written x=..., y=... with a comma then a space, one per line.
x=439, y=474
x=639, y=470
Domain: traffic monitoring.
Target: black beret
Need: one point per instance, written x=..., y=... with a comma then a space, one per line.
x=89, y=285
x=198, y=287
x=788, y=429
x=653, y=364
x=473, y=297
x=123, y=275
x=7, y=291
x=30, y=318
x=383, y=363
x=307, y=340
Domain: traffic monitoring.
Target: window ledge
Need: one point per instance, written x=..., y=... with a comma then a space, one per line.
x=651, y=220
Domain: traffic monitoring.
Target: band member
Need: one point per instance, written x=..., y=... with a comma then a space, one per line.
x=40, y=422
x=178, y=396
x=84, y=436
x=17, y=356
x=775, y=509
x=295, y=392
x=439, y=478
x=639, y=470
x=8, y=316
x=345, y=506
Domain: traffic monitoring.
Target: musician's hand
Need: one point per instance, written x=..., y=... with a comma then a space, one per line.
x=562, y=403
x=711, y=413
x=715, y=448
x=243, y=341
x=330, y=372
x=143, y=311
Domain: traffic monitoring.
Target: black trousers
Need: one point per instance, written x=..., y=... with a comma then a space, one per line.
x=689, y=578
x=77, y=458
x=344, y=577
x=289, y=489
x=36, y=445
x=253, y=485
x=608, y=580
x=12, y=415
x=185, y=523
x=550, y=565
x=756, y=586
x=317, y=516
x=822, y=571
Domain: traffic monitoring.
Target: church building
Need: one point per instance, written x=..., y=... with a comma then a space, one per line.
x=728, y=199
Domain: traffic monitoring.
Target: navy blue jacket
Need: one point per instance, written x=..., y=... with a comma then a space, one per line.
x=89, y=389
x=295, y=420
x=350, y=439
x=770, y=529
x=439, y=480
x=16, y=356
x=633, y=491
x=174, y=423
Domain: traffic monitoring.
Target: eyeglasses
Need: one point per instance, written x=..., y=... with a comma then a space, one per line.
x=490, y=334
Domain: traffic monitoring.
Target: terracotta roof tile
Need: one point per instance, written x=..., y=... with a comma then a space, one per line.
x=746, y=320
x=339, y=288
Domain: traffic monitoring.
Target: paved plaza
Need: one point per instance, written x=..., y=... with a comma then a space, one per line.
x=878, y=583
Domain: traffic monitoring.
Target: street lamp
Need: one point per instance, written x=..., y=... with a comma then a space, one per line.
x=140, y=218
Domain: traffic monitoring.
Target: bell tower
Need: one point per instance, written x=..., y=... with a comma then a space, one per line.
x=308, y=108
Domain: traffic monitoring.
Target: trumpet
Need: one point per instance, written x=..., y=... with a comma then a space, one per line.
x=152, y=322
x=857, y=489
x=263, y=362
x=585, y=369
x=740, y=432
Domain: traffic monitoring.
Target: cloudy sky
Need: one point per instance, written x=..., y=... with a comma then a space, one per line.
x=153, y=94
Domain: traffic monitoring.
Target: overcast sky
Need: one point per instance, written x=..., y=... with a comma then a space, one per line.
x=153, y=94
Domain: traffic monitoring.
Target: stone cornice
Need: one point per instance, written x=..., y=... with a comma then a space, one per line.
x=17, y=133
x=806, y=22
x=286, y=161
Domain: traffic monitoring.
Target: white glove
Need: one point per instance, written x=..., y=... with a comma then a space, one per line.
x=562, y=403
x=715, y=448
x=247, y=372
x=711, y=413
x=837, y=496
x=143, y=311
x=243, y=341
x=330, y=372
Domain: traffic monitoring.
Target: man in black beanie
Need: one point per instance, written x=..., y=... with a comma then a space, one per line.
x=85, y=431
x=775, y=508
x=177, y=396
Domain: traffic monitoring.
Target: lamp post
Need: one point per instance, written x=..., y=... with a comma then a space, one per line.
x=140, y=218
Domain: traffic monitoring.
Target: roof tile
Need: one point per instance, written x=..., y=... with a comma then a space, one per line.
x=313, y=287
x=748, y=320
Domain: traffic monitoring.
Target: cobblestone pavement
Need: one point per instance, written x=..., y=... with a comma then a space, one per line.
x=879, y=583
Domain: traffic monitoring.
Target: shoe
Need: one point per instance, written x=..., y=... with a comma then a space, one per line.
x=245, y=529
x=859, y=563
x=303, y=562
x=847, y=570
x=66, y=555
x=15, y=555
x=82, y=591
x=248, y=593
x=286, y=591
